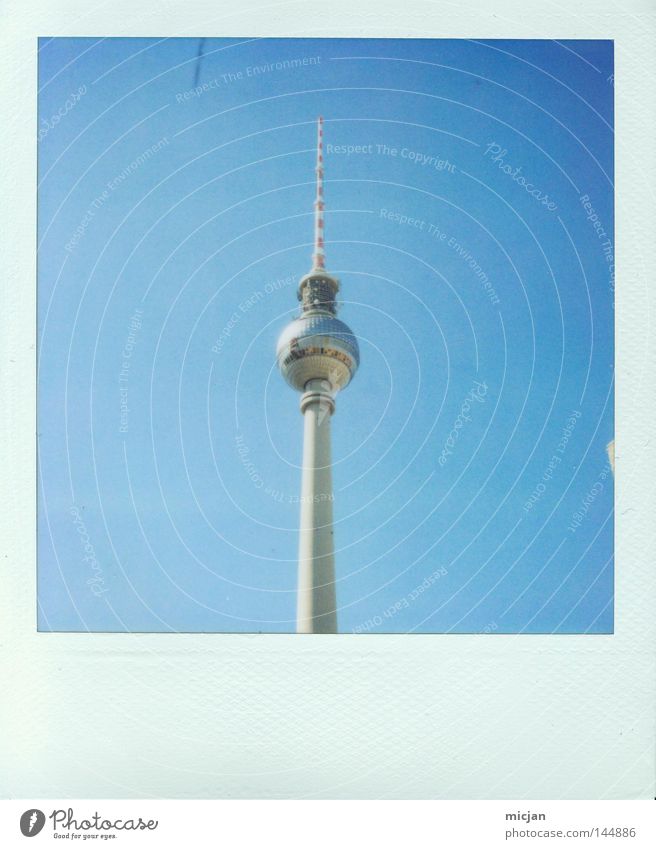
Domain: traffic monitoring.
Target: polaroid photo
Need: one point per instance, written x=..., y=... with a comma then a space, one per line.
x=317, y=317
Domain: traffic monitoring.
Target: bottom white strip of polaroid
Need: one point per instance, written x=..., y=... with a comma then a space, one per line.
x=319, y=824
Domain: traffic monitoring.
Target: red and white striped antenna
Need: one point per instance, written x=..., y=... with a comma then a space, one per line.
x=318, y=257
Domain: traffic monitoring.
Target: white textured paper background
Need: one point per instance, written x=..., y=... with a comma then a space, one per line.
x=483, y=716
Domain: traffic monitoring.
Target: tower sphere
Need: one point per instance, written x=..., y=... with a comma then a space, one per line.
x=318, y=346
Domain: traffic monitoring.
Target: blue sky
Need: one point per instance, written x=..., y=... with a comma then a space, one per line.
x=469, y=192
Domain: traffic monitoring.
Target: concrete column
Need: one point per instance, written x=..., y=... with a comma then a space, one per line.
x=317, y=608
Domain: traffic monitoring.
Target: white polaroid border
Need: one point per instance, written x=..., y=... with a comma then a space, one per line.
x=291, y=716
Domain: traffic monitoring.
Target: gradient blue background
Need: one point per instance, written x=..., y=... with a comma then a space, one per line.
x=191, y=535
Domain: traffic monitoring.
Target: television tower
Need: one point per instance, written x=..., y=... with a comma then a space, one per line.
x=317, y=355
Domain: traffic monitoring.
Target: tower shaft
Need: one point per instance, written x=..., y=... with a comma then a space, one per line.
x=316, y=607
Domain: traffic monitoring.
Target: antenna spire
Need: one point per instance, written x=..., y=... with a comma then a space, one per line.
x=318, y=257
